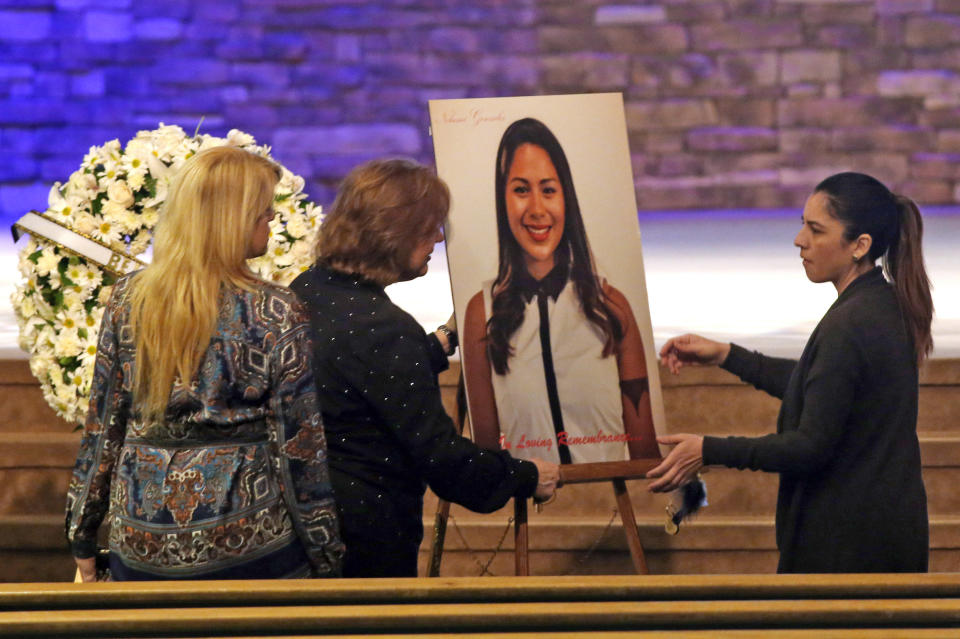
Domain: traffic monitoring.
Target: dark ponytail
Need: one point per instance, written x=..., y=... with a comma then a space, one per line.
x=903, y=264
x=893, y=222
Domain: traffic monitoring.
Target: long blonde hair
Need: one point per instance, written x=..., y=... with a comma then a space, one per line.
x=200, y=245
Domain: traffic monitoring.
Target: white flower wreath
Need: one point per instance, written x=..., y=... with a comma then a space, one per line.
x=112, y=202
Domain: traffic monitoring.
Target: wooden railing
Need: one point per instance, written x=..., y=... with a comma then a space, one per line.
x=914, y=606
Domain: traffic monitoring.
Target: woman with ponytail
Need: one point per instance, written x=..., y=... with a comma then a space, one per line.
x=851, y=494
x=204, y=439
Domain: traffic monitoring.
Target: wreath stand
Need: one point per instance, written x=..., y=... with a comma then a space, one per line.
x=615, y=472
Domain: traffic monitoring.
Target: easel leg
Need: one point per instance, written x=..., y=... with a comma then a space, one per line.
x=521, y=547
x=629, y=527
x=443, y=506
x=439, y=534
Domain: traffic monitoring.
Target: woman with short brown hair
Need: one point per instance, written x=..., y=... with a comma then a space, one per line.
x=388, y=434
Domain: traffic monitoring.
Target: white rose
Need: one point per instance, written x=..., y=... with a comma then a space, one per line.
x=85, y=223
x=158, y=169
x=68, y=343
x=55, y=374
x=82, y=186
x=238, y=138
x=111, y=149
x=209, y=142
x=54, y=197
x=166, y=139
x=112, y=211
x=136, y=179
x=260, y=265
x=44, y=310
x=27, y=307
x=53, y=280
x=120, y=193
x=66, y=392
x=289, y=183
x=39, y=365
x=46, y=337
x=303, y=251
x=297, y=226
x=129, y=220
x=27, y=338
x=150, y=215
x=48, y=261
x=138, y=150
x=75, y=296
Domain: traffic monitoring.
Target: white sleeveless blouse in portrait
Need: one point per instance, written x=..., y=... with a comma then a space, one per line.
x=586, y=385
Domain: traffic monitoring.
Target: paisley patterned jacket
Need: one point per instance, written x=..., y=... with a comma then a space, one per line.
x=234, y=482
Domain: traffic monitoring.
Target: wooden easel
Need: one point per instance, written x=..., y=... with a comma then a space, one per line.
x=617, y=473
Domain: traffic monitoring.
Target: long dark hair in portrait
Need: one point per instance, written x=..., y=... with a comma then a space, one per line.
x=573, y=251
x=865, y=205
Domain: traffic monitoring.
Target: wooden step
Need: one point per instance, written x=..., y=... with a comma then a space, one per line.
x=475, y=617
x=553, y=606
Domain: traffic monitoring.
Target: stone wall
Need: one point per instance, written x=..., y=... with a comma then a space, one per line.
x=730, y=103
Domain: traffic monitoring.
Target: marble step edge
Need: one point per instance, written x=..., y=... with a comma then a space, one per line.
x=45, y=532
x=703, y=534
x=53, y=450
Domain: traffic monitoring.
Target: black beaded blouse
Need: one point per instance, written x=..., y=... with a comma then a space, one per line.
x=388, y=435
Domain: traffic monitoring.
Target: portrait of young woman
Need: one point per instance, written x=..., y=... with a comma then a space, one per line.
x=552, y=354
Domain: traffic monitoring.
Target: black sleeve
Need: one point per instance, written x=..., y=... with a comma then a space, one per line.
x=769, y=374
x=828, y=396
x=438, y=358
x=401, y=386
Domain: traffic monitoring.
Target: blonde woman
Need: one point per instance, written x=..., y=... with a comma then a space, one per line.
x=203, y=447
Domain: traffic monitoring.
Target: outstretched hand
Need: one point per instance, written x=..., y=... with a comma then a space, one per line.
x=680, y=465
x=692, y=350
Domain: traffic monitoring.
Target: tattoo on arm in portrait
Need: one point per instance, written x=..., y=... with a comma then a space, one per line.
x=634, y=390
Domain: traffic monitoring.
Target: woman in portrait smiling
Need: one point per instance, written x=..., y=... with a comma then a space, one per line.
x=552, y=352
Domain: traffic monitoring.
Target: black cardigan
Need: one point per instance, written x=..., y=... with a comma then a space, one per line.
x=388, y=435
x=851, y=494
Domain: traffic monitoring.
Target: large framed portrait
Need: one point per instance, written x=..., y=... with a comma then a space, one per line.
x=546, y=266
